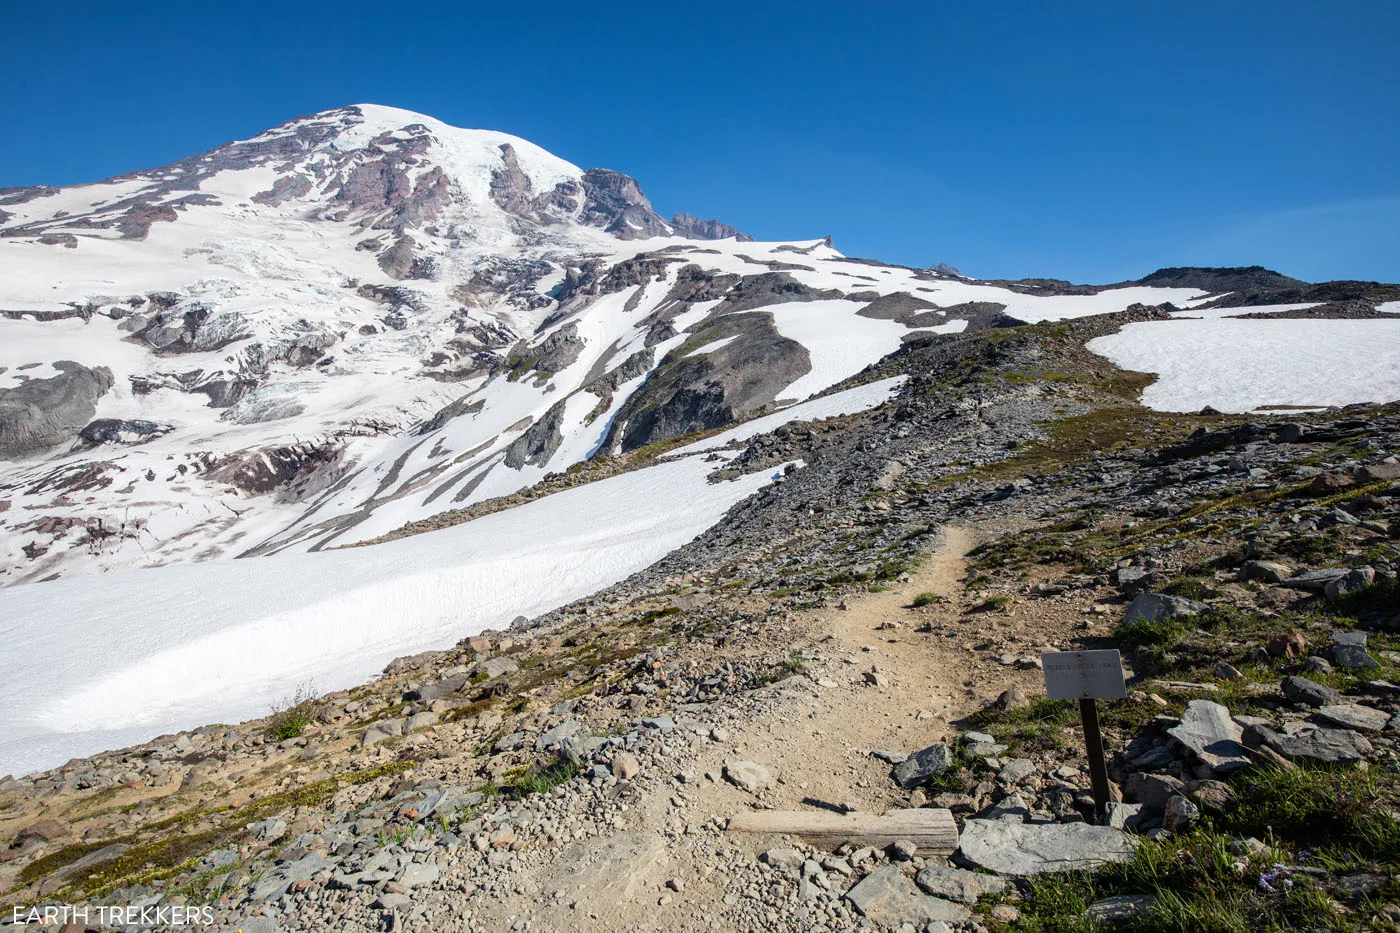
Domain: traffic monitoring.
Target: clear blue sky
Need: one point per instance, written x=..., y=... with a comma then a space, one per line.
x=1093, y=141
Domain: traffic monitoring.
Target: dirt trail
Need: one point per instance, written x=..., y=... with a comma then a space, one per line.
x=819, y=748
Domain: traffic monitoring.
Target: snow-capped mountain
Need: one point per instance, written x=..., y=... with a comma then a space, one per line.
x=366, y=317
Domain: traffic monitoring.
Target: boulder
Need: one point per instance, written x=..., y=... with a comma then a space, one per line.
x=1151, y=790
x=42, y=832
x=956, y=884
x=1159, y=607
x=1355, y=717
x=889, y=898
x=1309, y=693
x=1331, y=746
x=1265, y=571
x=1353, y=581
x=1314, y=580
x=1022, y=849
x=1180, y=814
x=748, y=775
x=922, y=765
x=1207, y=730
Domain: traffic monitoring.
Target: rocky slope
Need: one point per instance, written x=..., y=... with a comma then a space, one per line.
x=838, y=642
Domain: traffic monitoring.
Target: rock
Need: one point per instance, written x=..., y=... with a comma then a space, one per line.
x=1022, y=849
x=1265, y=571
x=1287, y=646
x=1151, y=790
x=784, y=857
x=956, y=884
x=41, y=833
x=1120, y=907
x=498, y=667
x=1316, y=665
x=423, y=720
x=1329, y=484
x=418, y=874
x=748, y=775
x=1011, y=698
x=1352, y=658
x=1016, y=770
x=1226, y=671
x=902, y=850
x=1355, y=717
x=1326, y=745
x=922, y=765
x=1378, y=473
x=553, y=738
x=625, y=766
x=511, y=743
x=1314, y=580
x=1124, y=815
x=1309, y=693
x=1212, y=796
x=1004, y=913
x=1180, y=814
x=1209, y=732
x=1352, y=581
x=1159, y=607
x=888, y=897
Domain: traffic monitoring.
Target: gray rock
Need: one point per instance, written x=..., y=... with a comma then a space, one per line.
x=956, y=884
x=553, y=738
x=888, y=897
x=1309, y=693
x=1119, y=908
x=1326, y=745
x=1351, y=582
x=1352, y=658
x=1124, y=815
x=1355, y=717
x=1022, y=849
x=423, y=720
x=498, y=667
x=1314, y=580
x=1265, y=571
x=513, y=742
x=1208, y=731
x=922, y=765
x=748, y=775
x=42, y=413
x=418, y=874
x=1159, y=607
x=1151, y=790
x=1016, y=770
x=1180, y=814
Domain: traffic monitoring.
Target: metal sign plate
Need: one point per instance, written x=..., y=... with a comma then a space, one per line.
x=1084, y=675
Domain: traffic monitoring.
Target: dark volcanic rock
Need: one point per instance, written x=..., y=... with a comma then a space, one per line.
x=696, y=229
x=695, y=393
x=42, y=413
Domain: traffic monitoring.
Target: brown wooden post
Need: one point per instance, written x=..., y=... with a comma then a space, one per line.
x=1093, y=745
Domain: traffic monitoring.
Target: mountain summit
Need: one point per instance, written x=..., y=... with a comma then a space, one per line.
x=365, y=318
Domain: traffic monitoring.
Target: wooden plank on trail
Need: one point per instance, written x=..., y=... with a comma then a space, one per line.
x=931, y=830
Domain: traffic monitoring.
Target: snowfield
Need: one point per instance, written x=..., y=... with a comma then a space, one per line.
x=98, y=663
x=1236, y=366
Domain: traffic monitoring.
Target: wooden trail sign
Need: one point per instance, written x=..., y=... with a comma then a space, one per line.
x=1087, y=676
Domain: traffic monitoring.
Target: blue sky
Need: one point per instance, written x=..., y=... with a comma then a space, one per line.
x=1084, y=140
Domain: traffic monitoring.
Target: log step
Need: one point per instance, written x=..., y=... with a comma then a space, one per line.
x=931, y=830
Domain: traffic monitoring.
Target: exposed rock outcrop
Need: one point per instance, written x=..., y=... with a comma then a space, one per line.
x=42, y=413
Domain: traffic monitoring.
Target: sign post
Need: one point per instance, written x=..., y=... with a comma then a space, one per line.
x=1087, y=676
